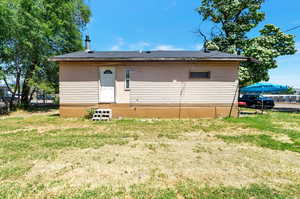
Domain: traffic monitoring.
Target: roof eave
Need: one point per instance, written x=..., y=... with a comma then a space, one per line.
x=58, y=59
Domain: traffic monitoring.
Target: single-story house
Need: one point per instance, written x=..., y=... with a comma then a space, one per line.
x=150, y=84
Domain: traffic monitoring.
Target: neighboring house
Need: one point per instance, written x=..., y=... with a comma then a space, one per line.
x=155, y=84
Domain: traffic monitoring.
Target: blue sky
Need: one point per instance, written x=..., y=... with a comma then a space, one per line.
x=171, y=25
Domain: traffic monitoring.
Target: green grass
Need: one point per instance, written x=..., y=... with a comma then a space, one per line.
x=186, y=190
x=267, y=123
x=27, y=144
x=26, y=140
x=193, y=190
x=262, y=141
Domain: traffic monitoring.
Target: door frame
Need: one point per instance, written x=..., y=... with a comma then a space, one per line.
x=101, y=68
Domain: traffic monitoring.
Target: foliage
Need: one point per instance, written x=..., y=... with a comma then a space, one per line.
x=90, y=113
x=34, y=31
x=210, y=45
x=234, y=19
x=56, y=100
x=290, y=91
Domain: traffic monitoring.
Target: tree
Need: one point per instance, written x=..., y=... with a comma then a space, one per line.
x=234, y=19
x=40, y=29
x=7, y=24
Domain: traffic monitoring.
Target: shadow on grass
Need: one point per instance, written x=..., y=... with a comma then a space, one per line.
x=42, y=108
x=287, y=110
x=54, y=115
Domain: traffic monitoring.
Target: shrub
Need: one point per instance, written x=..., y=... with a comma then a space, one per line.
x=90, y=113
x=56, y=100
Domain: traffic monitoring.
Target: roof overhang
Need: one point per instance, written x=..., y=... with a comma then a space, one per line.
x=188, y=59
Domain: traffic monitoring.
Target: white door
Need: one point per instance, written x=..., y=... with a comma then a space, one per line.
x=107, y=85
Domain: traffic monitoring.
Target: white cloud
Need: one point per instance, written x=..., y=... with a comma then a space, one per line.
x=198, y=46
x=166, y=47
x=292, y=81
x=115, y=48
x=119, y=44
x=139, y=45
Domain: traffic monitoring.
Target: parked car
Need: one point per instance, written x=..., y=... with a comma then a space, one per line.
x=256, y=101
x=242, y=104
x=45, y=97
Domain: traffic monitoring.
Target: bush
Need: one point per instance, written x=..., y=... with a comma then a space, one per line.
x=90, y=113
x=56, y=100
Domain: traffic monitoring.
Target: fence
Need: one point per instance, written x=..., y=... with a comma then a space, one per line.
x=285, y=98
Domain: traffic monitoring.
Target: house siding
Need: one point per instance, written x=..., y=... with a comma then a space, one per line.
x=155, y=89
x=79, y=83
x=170, y=83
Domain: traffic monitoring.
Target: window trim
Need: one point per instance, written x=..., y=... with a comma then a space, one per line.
x=127, y=79
x=204, y=78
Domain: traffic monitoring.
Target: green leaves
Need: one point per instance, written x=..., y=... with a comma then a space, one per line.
x=266, y=48
x=236, y=18
x=33, y=30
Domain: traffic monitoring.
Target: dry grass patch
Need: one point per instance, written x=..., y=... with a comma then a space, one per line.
x=213, y=163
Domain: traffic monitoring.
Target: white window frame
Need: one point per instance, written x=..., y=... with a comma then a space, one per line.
x=127, y=79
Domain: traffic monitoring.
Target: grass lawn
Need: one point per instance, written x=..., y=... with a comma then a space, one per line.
x=45, y=156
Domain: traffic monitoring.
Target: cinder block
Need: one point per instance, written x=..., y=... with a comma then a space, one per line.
x=102, y=115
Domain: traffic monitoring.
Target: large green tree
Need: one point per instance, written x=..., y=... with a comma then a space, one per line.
x=38, y=29
x=233, y=20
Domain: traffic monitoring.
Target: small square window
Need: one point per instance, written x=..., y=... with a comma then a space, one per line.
x=202, y=75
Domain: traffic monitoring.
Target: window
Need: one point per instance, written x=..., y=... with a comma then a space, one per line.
x=203, y=75
x=108, y=72
x=127, y=79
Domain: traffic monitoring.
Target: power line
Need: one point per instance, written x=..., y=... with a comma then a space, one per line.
x=294, y=28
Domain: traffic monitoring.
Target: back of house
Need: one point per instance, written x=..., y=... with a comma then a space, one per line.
x=150, y=84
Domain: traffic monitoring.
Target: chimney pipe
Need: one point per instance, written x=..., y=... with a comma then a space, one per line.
x=87, y=43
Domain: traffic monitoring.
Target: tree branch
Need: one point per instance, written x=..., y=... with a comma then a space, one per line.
x=8, y=87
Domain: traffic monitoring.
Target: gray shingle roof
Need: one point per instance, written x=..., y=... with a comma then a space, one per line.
x=147, y=56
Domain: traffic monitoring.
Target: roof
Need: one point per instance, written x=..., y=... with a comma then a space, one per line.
x=148, y=56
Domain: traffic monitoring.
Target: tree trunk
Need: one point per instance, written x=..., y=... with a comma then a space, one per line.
x=7, y=106
x=10, y=104
x=25, y=99
x=31, y=95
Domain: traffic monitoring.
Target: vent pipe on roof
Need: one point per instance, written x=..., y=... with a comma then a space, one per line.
x=87, y=43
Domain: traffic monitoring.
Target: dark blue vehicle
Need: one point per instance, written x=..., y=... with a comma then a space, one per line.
x=257, y=101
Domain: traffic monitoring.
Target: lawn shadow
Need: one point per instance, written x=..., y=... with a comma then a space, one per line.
x=55, y=115
x=287, y=110
x=42, y=108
